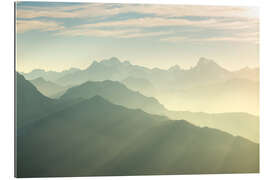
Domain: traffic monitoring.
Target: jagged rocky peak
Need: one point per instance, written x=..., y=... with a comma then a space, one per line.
x=113, y=61
x=204, y=63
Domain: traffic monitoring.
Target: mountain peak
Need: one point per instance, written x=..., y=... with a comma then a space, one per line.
x=174, y=68
x=207, y=63
x=38, y=71
x=39, y=79
x=98, y=99
x=111, y=61
x=204, y=61
x=114, y=59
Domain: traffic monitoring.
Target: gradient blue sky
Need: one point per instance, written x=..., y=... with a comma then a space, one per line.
x=57, y=36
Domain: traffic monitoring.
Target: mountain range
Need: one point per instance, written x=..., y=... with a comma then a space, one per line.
x=32, y=105
x=176, y=88
x=242, y=124
x=113, y=69
x=93, y=136
x=116, y=93
x=48, y=75
x=48, y=88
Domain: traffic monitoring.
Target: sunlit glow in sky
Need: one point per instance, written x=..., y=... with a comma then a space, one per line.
x=58, y=36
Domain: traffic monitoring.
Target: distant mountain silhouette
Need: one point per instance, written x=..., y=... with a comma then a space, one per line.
x=107, y=69
x=144, y=86
x=48, y=88
x=113, y=69
x=31, y=105
x=172, y=83
x=207, y=71
x=48, y=75
x=117, y=93
x=241, y=124
x=36, y=106
x=96, y=137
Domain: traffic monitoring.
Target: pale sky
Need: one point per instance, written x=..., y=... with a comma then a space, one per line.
x=58, y=36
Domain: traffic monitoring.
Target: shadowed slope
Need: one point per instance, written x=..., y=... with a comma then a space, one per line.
x=95, y=137
x=117, y=93
x=31, y=104
x=241, y=124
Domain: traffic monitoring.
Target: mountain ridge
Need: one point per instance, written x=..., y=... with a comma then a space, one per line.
x=116, y=61
x=117, y=92
x=140, y=143
x=46, y=87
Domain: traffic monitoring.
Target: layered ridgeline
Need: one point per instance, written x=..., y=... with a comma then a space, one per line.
x=241, y=124
x=116, y=93
x=48, y=88
x=204, y=71
x=48, y=75
x=194, y=89
x=96, y=137
x=142, y=85
x=32, y=105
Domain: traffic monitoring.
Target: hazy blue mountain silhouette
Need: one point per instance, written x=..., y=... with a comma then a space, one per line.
x=170, y=85
x=31, y=105
x=107, y=69
x=48, y=88
x=96, y=137
x=48, y=75
x=117, y=93
x=113, y=69
x=242, y=124
x=142, y=85
x=204, y=71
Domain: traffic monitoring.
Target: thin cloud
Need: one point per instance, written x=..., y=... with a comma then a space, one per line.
x=161, y=22
x=233, y=19
x=95, y=32
x=99, y=9
x=136, y=27
x=24, y=25
x=126, y=33
x=250, y=37
x=145, y=34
